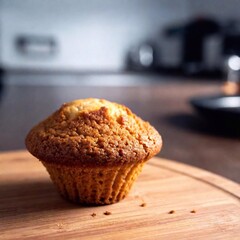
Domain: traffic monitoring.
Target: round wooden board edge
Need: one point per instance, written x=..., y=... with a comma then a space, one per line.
x=199, y=174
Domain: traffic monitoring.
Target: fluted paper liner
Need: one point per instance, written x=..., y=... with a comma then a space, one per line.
x=94, y=185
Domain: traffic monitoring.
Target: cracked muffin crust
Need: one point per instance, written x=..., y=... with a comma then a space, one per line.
x=93, y=131
x=93, y=149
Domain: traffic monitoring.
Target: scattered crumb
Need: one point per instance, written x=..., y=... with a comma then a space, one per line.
x=193, y=211
x=60, y=225
x=171, y=212
x=143, y=205
x=107, y=213
x=93, y=214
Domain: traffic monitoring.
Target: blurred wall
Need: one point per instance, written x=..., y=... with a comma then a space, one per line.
x=90, y=35
x=96, y=35
x=220, y=9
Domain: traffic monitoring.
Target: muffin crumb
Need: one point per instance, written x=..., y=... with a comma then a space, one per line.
x=93, y=214
x=107, y=213
x=193, y=211
x=171, y=212
x=143, y=205
x=60, y=225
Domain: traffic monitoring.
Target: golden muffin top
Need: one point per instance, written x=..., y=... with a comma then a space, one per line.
x=93, y=132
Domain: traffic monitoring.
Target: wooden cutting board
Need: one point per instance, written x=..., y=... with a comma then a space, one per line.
x=169, y=201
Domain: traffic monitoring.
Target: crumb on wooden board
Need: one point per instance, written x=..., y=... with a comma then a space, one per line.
x=107, y=213
x=171, y=212
x=60, y=225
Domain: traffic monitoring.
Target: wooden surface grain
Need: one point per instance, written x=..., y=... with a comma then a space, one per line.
x=186, y=137
x=168, y=201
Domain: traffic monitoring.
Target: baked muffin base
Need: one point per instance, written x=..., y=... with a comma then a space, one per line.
x=94, y=186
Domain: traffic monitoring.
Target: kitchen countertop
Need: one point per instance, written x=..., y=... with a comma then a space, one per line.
x=187, y=138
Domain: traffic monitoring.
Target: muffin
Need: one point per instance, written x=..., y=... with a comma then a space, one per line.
x=93, y=149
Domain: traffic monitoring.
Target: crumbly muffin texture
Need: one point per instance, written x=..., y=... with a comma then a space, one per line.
x=93, y=132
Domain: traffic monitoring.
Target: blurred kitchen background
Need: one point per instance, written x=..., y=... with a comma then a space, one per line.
x=168, y=61
x=178, y=37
